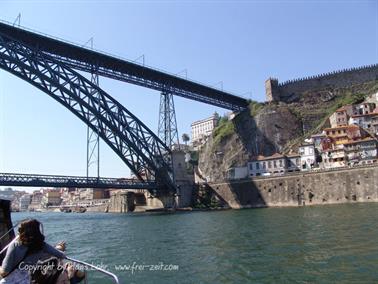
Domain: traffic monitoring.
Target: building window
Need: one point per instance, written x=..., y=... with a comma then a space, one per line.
x=274, y=164
x=269, y=164
x=264, y=165
x=280, y=163
x=251, y=166
x=257, y=166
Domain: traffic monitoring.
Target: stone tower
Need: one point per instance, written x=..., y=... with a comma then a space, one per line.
x=271, y=90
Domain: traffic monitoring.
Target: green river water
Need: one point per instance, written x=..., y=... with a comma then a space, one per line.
x=319, y=244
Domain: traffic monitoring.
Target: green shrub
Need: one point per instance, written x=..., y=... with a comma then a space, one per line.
x=224, y=129
x=255, y=107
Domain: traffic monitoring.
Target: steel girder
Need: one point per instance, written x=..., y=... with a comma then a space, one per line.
x=80, y=58
x=167, y=129
x=10, y=179
x=142, y=151
x=151, y=84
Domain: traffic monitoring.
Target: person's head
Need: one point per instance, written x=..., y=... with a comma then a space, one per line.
x=30, y=234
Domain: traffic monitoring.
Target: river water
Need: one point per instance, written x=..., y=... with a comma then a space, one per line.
x=322, y=244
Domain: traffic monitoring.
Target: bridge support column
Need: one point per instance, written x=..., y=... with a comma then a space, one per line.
x=93, y=138
x=122, y=202
x=167, y=130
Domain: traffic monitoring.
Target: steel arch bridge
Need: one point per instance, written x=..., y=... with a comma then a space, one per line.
x=141, y=150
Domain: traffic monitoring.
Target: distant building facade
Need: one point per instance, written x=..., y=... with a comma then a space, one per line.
x=275, y=164
x=51, y=198
x=308, y=156
x=361, y=152
x=203, y=128
x=339, y=117
x=36, y=200
x=24, y=202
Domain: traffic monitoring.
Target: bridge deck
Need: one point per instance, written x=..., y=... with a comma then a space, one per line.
x=110, y=66
x=30, y=180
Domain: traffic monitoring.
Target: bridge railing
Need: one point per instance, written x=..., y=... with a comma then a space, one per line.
x=13, y=179
x=119, y=57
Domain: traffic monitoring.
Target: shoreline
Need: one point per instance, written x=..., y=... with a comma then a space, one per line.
x=346, y=185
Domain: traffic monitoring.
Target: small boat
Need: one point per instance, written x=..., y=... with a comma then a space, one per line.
x=65, y=209
x=79, y=209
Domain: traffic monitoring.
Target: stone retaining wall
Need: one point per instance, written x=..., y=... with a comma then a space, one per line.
x=337, y=186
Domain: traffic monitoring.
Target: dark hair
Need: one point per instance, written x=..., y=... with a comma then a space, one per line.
x=30, y=234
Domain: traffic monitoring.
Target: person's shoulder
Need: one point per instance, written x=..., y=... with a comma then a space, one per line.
x=18, y=245
x=52, y=250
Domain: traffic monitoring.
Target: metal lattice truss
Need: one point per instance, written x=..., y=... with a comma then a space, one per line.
x=152, y=84
x=167, y=130
x=142, y=151
x=7, y=179
x=93, y=140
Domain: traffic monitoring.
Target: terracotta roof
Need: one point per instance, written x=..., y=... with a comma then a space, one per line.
x=341, y=109
x=367, y=139
x=293, y=155
x=362, y=115
x=274, y=156
x=342, y=127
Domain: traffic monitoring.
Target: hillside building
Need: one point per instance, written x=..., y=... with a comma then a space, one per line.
x=308, y=156
x=201, y=129
x=24, y=202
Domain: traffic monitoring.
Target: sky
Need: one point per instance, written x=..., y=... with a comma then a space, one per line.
x=238, y=43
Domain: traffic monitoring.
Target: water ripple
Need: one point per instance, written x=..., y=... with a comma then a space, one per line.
x=325, y=244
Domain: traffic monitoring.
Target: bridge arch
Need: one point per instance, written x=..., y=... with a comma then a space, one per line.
x=142, y=151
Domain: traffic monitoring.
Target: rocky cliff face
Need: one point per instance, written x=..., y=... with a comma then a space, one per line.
x=275, y=127
x=265, y=134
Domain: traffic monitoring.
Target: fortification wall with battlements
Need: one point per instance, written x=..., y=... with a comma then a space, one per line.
x=289, y=90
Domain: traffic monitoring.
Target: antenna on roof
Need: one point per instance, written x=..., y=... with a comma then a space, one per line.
x=17, y=21
x=142, y=56
x=88, y=41
x=219, y=83
x=185, y=71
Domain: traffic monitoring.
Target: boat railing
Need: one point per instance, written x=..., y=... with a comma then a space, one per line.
x=99, y=269
x=103, y=271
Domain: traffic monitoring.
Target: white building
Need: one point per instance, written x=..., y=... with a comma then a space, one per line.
x=367, y=121
x=293, y=162
x=24, y=202
x=362, y=151
x=308, y=156
x=333, y=158
x=237, y=173
x=203, y=128
x=262, y=166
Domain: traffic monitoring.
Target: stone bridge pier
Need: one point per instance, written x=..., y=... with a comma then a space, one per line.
x=140, y=200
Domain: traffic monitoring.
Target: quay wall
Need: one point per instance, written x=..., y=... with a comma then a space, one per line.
x=312, y=188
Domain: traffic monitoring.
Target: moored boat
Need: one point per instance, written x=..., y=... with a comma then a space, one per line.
x=79, y=209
